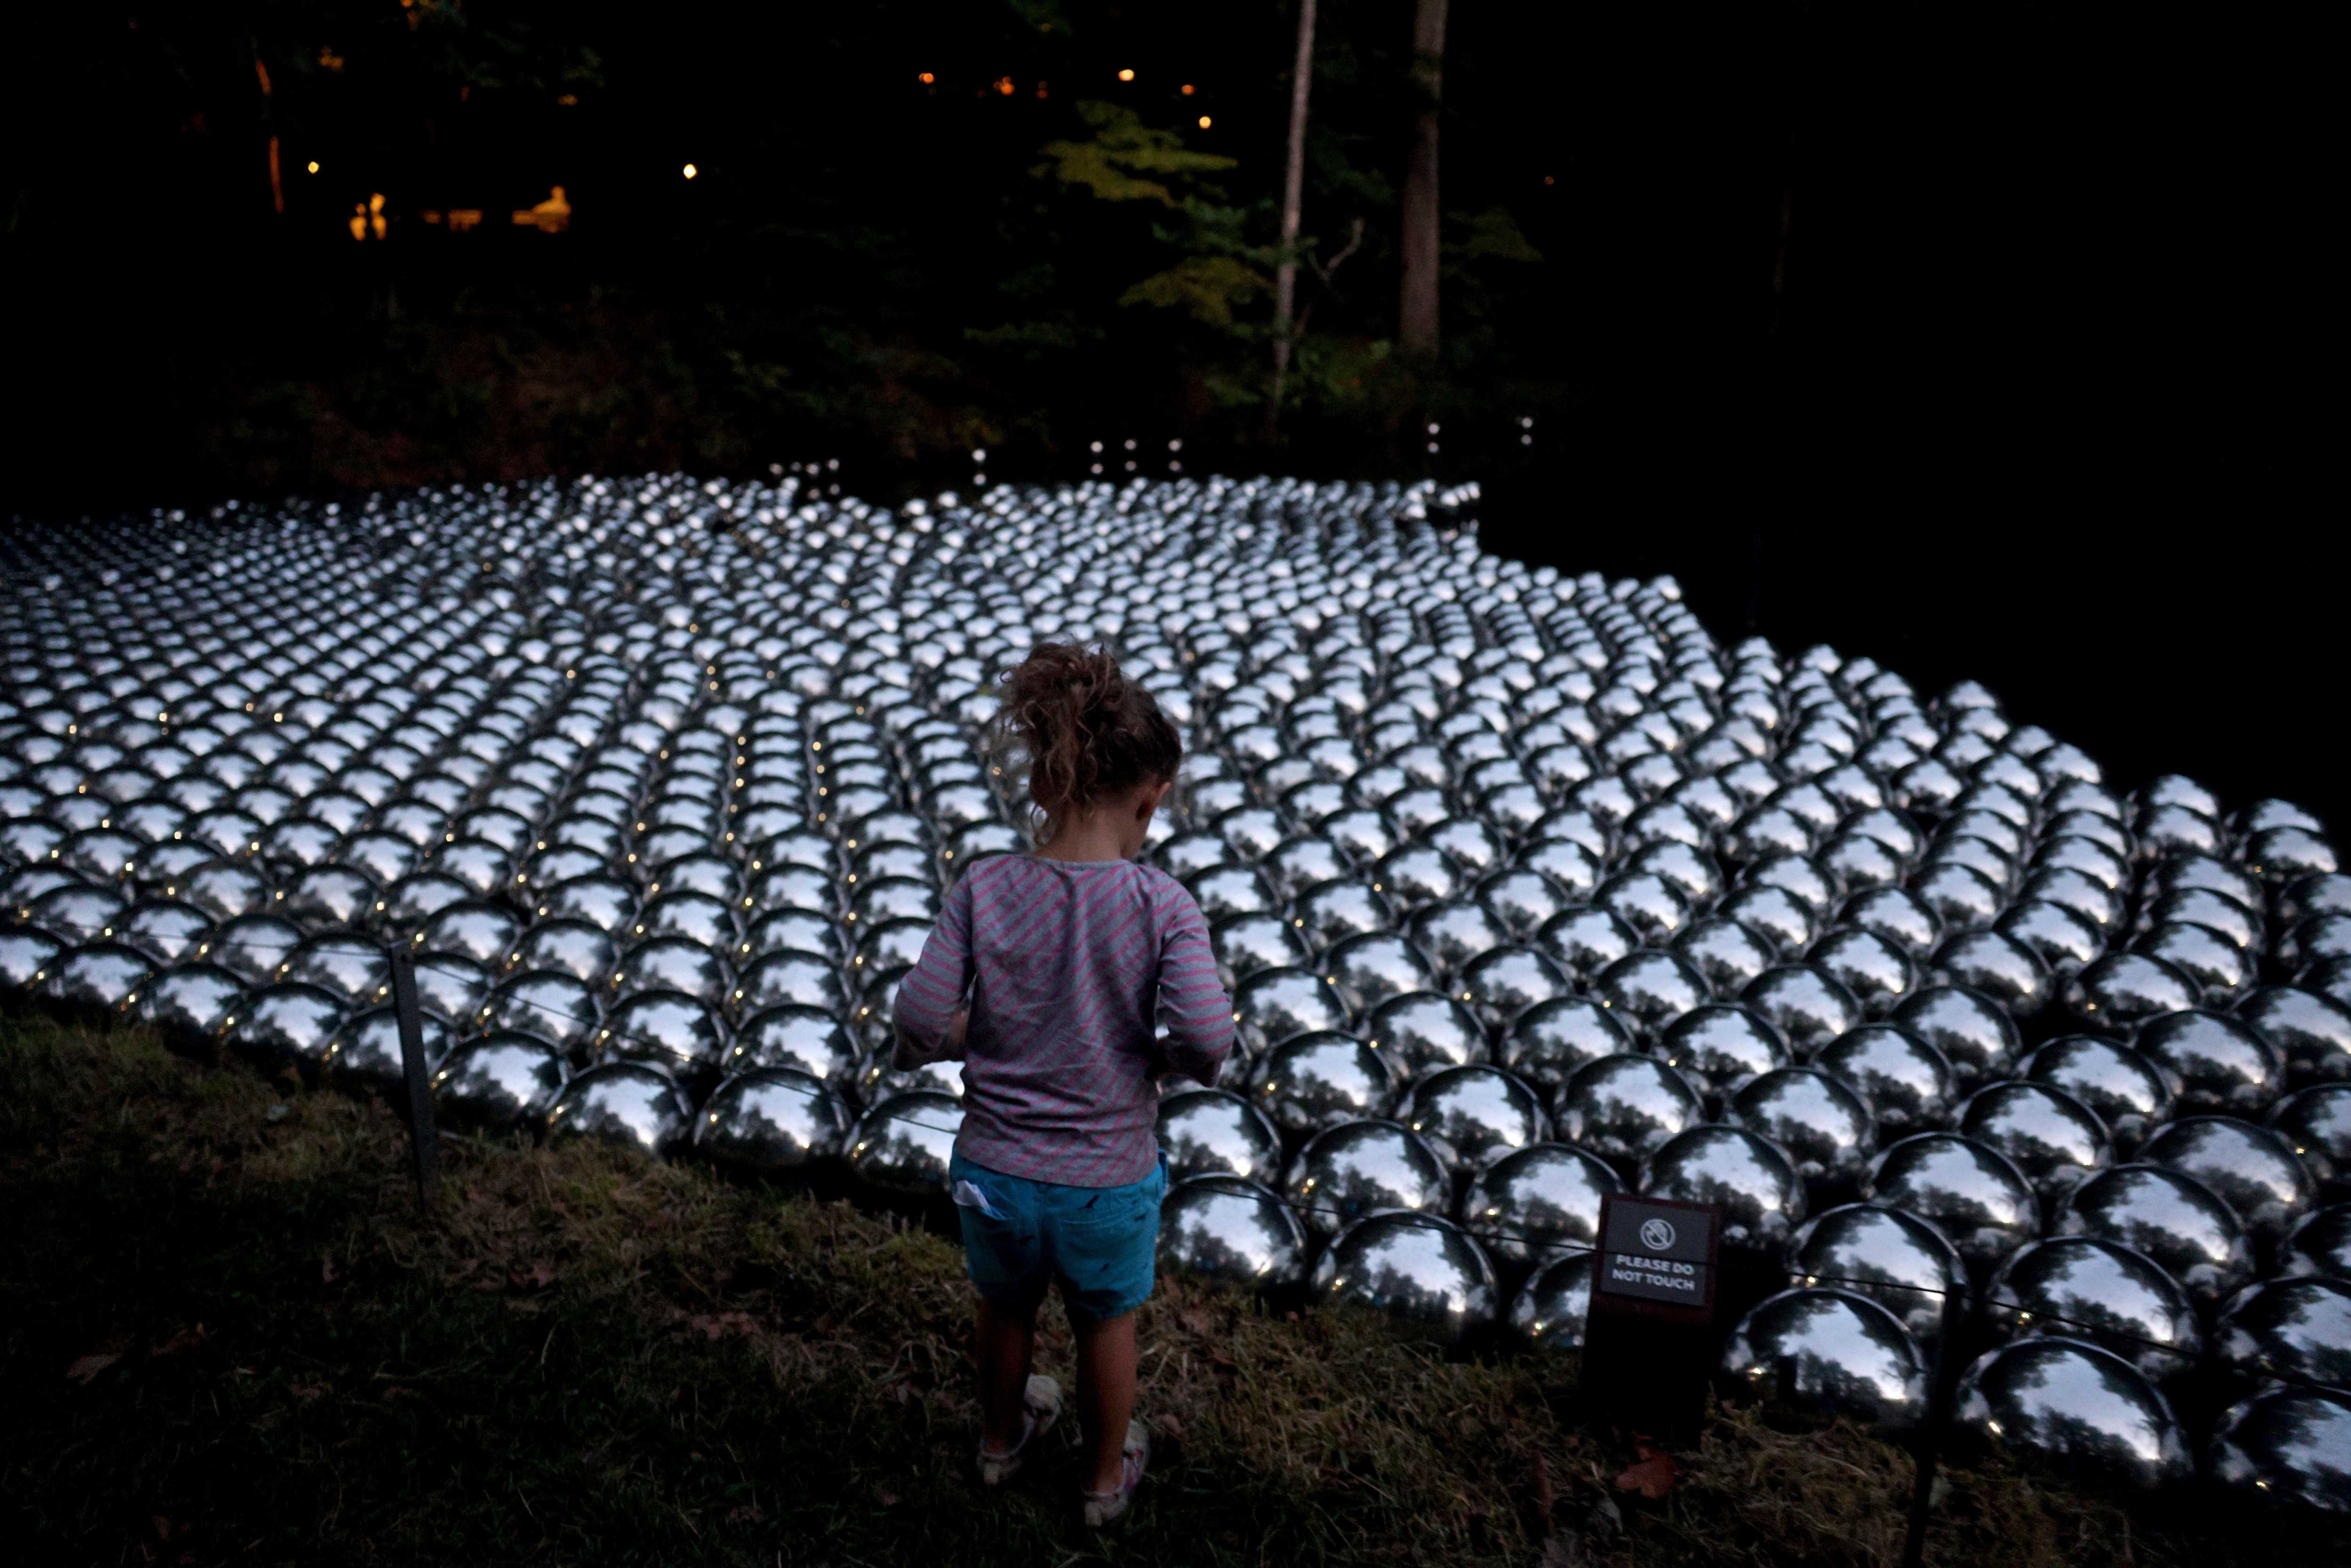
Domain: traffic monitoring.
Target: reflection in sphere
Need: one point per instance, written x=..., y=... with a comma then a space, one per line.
x=2254, y=1170
x=1227, y=1227
x=623, y=1103
x=499, y=1082
x=1420, y=1266
x=1215, y=1130
x=2074, y=1407
x=2055, y=1140
x=1830, y=1351
x=2126, y=1091
x=1423, y=1030
x=1821, y=1126
x=1973, y=1035
x=1360, y=1167
x=2321, y=1244
x=2078, y=1287
x=1971, y=1193
x=1748, y=1176
x=2288, y=1445
x=772, y=1120
x=1321, y=1079
x=1550, y=1308
x=2175, y=1220
x=1722, y=1046
x=1472, y=1115
x=1893, y=1256
x=903, y=1145
x=1538, y=1198
x=1622, y=1108
x=2295, y=1330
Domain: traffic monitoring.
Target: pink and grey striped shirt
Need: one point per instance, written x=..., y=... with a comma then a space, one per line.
x=1064, y=964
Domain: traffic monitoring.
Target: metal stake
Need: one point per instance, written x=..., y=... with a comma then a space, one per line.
x=1931, y=1432
x=422, y=1134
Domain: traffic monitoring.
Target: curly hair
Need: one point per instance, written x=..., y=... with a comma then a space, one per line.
x=1089, y=733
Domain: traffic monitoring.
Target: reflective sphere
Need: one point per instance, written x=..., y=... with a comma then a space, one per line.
x=2219, y=1063
x=1227, y=1227
x=1272, y=1005
x=2055, y=1140
x=1206, y=1131
x=1808, y=1006
x=2317, y=1122
x=2286, y=1444
x=1360, y=1168
x=2079, y=1287
x=1319, y=1080
x=1649, y=989
x=1536, y=1199
x=624, y=1103
x=1420, y=1266
x=2321, y=1244
x=2123, y=991
x=1829, y=1351
x=499, y=1082
x=2295, y=1330
x=1895, y=1257
x=2175, y=1220
x=2253, y=1168
x=772, y=1120
x=2129, y=1094
x=903, y=1145
x=1423, y=1030
x=285, y=1024
x=1550, y=1308
x=1549, y=1041
x=1472, y=1115
x=1722, y=1046
x=1624, y=1108
x=1906, y=1083
x=1819, y=1122
x=2074, y=1407
x=1974, y=1035
x=1970, y=1192
x=1748, y=1177
x=2314, y=1032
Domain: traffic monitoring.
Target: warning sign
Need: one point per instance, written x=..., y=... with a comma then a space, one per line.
x=1654, y=1251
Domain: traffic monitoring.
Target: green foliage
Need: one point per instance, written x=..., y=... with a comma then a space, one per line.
x=1117, y=162
x=1490, y=236
x=1210, y=288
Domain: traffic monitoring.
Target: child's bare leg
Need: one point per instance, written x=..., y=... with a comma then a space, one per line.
x=1006, y=1343
x=1106, y=1395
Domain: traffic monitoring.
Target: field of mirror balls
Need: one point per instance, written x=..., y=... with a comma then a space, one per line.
x=1528, y=891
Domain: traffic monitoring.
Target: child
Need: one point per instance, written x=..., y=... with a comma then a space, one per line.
x=1043, y=974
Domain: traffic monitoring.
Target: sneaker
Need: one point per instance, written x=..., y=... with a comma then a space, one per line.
x=1041, y=1406
x=1104, y=1507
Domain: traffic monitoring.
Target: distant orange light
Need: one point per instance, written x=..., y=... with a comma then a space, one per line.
x=1004, y=85
x=1204, y=122
x=691, y=171
x=926, y=78
x=1186, y=90
x=314, y=165
x=1549, y=180
x=1126, y=75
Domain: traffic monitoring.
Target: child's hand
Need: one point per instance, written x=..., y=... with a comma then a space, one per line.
x=958, y=1027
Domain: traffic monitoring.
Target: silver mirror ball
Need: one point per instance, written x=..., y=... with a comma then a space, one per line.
x=1530, y=889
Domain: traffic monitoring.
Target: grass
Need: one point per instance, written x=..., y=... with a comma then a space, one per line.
x=228, y=1336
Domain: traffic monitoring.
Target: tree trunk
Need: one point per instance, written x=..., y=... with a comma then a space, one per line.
x=1293, y=189
x=1416, y=313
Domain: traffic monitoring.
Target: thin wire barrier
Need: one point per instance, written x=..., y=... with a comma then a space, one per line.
x=1547, y=1249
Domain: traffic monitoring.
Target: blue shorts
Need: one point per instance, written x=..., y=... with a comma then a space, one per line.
x=1099, y=1243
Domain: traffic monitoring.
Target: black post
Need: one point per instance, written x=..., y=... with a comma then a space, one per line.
x=420, y=1085
x=1930, y=1432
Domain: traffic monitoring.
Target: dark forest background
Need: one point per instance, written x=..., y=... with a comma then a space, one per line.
x=1993, y=340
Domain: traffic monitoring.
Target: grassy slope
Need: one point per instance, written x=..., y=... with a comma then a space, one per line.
x=585, y=1357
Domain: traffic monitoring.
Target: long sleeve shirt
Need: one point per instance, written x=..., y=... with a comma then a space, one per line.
x=1065, y=967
